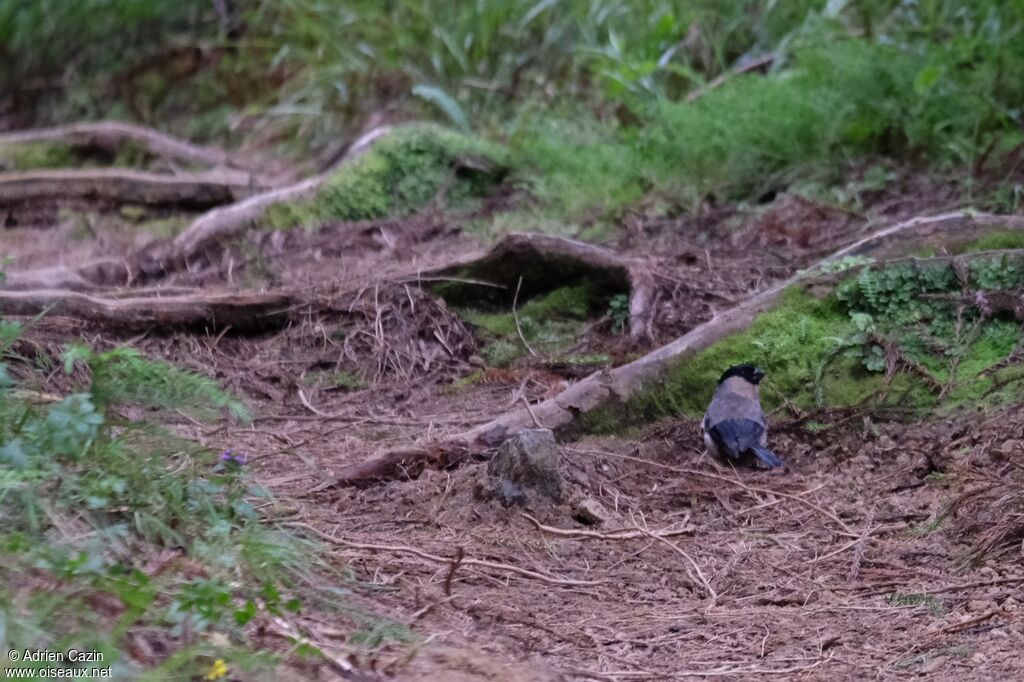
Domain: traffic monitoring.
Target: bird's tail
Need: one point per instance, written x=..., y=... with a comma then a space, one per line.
x=767, y=456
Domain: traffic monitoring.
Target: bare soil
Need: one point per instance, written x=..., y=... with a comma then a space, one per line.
x=851, y=563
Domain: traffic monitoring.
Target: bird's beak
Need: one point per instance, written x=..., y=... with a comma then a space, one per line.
x=759, y=374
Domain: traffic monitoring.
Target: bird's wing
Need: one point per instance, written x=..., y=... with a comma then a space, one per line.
x=736, y=436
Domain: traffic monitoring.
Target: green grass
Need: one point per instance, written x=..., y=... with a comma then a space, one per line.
x=589, y=96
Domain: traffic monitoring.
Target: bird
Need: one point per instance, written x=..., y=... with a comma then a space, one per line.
x=734, y=426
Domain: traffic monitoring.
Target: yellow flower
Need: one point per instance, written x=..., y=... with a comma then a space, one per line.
x=218, y=670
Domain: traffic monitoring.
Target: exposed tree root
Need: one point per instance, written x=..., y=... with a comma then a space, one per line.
x=543, y=262
x=227, y=221
x=213, y=226
x=622, y=382
x=128, y=186
x=110, y=136
x=397, y=464
x=241, y=312
x=95, y=276
x=217, y=225
x=507, y=260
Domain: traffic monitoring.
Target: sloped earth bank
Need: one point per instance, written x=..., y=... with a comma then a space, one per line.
x=861, y=559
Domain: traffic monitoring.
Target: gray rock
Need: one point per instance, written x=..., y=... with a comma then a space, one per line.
x=526, y=461
x=589, y=511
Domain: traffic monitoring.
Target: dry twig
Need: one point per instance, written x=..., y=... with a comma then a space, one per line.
x=404, y=549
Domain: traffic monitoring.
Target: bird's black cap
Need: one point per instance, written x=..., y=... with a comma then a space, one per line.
x=749, y=372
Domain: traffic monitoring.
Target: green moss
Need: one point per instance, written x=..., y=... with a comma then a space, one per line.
x=997, y=239
x=588, y=359
x=566, y=302
x=819, y=352
x=550, y=324
x=502, y=352
x=133, y=155
x=346, y=381
x=471, y=379
x=790, y=342
x=402, y=173
x=133, y=212
x=166, y=227
x=36, y=156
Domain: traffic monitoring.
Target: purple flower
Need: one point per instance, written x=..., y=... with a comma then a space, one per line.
x=231, y=456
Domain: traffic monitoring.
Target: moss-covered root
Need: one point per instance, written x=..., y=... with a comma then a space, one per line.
x=842, y=350
x=402, y=173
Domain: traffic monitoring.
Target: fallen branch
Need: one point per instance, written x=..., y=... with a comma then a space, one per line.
x=220, y=224
x=243, y=312
x=127, y=186
x=405, y=549
x=622, y=382
x=94, y=276
x=829, y=280
x=110, y=136
x=504, y=263
x=227, y=221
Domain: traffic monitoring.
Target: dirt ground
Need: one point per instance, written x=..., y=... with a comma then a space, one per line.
x=853, y=562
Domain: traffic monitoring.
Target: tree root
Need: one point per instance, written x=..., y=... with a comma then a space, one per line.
x=128, y=186
x=544, y=262
x=215, y=225
x=240, y=312
x=110, y=136
x=227, y=221
x=622, y=382
x=397, y=464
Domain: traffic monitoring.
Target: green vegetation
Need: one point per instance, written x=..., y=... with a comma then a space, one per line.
x=35, y=156
x=789, y=342
x=589, y=97
x=405, y=172
x=28, y=156
x=114, y=529
x=346, y=381
x=900, y=334
x=899, y=599
x=996, y=239
x=550, y=324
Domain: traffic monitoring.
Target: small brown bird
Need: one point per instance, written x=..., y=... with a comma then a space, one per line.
x=734, y=426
